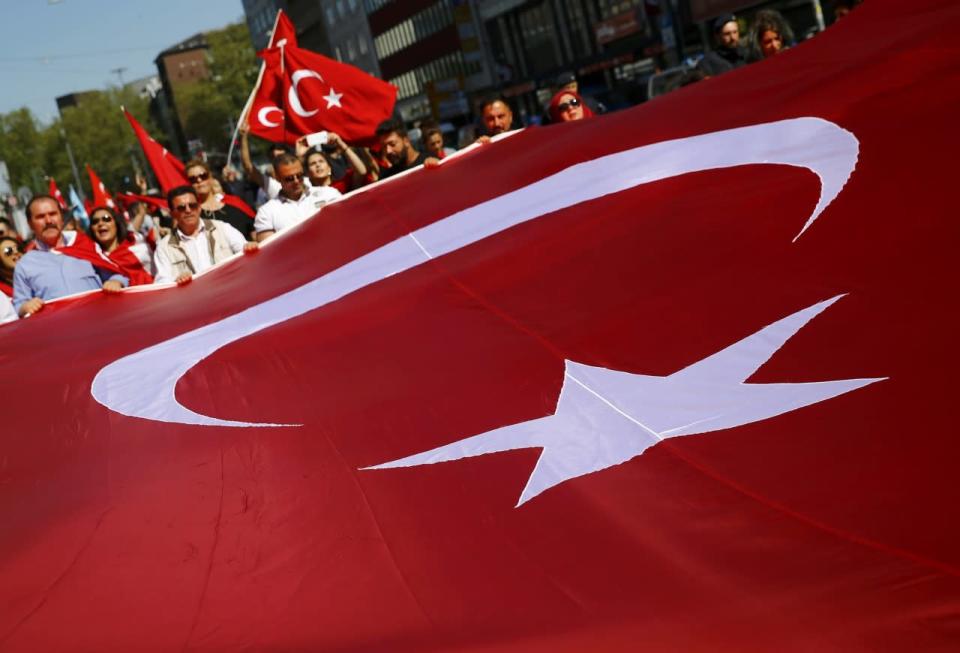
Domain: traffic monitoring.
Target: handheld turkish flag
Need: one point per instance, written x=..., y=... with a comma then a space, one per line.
x=283, y=31
x=167, y=168
x=56, y=194
x=303, y=92
x=667, y=379
x=101, y=196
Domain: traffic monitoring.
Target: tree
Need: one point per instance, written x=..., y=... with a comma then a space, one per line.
x=20, y=147
x=212, y=105
x=96, y=130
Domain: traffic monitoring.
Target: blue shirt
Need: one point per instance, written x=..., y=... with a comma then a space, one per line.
x=49, y=275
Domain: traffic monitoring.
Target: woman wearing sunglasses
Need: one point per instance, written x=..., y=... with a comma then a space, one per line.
x=128, y=251
x=9, y=255
x=568, y=105
x=212, y=206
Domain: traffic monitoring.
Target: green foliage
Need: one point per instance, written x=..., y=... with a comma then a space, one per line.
x=97, y=131
x=20, y=147
x=211, y=105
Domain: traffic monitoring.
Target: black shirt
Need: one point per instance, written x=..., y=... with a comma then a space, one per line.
x=398, y=168
x=233, y=217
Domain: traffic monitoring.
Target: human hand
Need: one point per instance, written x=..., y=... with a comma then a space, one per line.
x=184, y=279
x=30, y=307
x=112, y=286
x=334, y=139
x=251, y=247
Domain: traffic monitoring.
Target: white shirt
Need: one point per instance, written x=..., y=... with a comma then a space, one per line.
x=197, y=250
x=282, y=213
x=7, y=312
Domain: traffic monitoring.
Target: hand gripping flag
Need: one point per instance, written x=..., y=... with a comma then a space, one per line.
x=665, y=379
x=303, y=92
x=101, y=196
x=56, y=194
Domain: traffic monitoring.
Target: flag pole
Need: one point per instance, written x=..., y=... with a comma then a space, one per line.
x=253, y=93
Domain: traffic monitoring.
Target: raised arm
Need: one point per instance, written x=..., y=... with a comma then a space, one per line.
x=251, y=171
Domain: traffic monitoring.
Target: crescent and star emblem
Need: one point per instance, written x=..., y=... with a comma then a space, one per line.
x=293, y=96
x=603, y=417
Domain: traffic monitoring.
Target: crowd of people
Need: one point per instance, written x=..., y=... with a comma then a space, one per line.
x=208, y=220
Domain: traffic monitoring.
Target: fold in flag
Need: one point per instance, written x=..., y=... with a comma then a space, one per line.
x=303, y=92
x=56, y=194
x=665, y=379
x=101, y=196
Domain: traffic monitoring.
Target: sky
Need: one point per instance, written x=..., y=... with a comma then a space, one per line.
x=55, y=47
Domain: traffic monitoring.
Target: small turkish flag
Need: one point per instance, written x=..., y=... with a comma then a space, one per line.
x=56, y=194
x=101, y=196
x=303, y=92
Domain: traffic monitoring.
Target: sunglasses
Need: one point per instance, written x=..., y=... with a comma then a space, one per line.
x=97, y=219
x=292, y=178
x=192, y=206
x=569, y=104
x=8, y=250
x=203, y=176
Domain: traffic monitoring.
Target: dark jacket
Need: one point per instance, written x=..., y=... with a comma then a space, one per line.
x=723, y=60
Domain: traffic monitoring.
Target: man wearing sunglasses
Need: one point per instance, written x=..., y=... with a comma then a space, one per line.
x=296, y=201
x=195, y=244
x=47, y=273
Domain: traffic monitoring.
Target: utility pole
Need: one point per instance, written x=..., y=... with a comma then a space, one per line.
x=119, y=73
x=73, y=164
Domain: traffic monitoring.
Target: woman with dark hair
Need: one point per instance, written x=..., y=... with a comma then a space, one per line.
x=127, y=250
x=770, y=34
x=567, y=106
x=212, y=206
x=10, y=253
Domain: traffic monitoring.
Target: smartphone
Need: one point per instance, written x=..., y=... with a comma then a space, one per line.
x=319, y=138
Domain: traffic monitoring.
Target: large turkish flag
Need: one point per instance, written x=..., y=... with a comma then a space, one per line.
x=706, y=346
x=302, y=92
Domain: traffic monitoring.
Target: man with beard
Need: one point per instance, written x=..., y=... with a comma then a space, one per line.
x=397, y=149
x=728, y=53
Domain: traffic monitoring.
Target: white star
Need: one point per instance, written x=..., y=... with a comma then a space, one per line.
x=333, y=98
x=607, y=417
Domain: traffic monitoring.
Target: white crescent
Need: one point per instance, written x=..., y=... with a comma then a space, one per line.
x=143, y=384
x=292, y=96
x=264, y=112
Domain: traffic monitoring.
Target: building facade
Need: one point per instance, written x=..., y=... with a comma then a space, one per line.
x=260, y=15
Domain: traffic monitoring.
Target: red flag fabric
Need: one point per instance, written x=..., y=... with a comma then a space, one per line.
x=101, y=196
x=122, y=260
x=129, y=198
x=283, y=32
x=169, y=170
x=56, y=194
x=166, y=167
x=307, y=92
x=707, y=358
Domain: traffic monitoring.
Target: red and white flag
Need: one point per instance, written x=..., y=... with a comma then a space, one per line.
x=303, y=92
x=56, y=194
x=664, y=379
x=101, y=196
